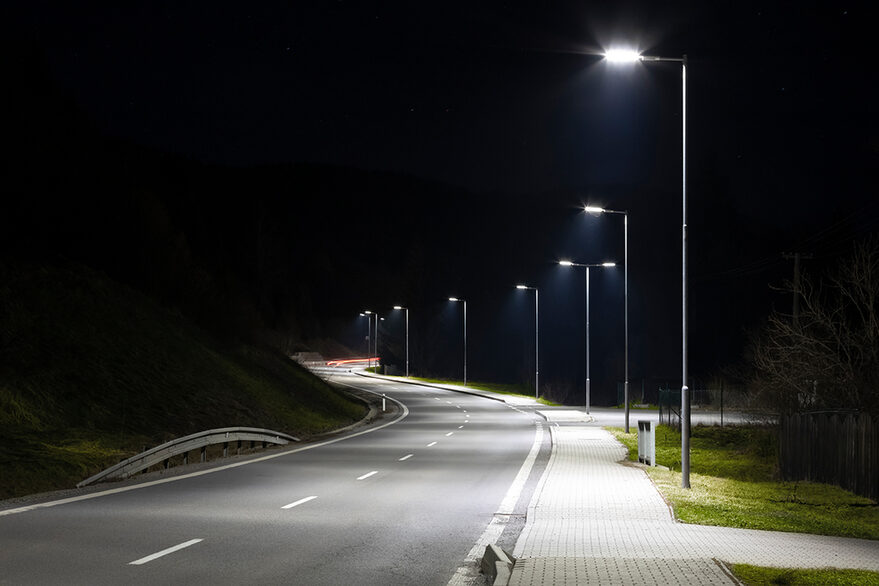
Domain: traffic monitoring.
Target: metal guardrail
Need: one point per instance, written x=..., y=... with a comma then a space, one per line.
x=184, y=445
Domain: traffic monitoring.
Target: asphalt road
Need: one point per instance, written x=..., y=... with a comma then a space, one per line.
x=403, y=504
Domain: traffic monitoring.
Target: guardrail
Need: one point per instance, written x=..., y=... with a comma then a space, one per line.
x=184, y=445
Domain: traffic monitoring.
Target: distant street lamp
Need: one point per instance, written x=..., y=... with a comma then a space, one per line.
x=536, y=337
x=629, y=56
x=406, y=309
x=369, y=315
x=567, y=263
x=464, y=301
x=625, y=214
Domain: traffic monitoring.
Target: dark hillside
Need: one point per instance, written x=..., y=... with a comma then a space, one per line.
x=92, y=371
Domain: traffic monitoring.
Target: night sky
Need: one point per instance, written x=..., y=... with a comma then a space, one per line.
x=477, y=132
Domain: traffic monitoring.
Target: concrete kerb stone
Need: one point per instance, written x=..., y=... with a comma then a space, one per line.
x=496, y=565
x=432, y=385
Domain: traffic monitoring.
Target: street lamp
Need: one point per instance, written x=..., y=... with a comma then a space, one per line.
x=567, y=263
x=628, y=56
x=625, y=214
x=464, y=301
x=406, y=309
x=369, y=315
x=536, y=337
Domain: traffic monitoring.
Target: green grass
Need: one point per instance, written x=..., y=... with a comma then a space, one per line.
x=500, y=388
x=732, y=480
x=92, y=372
x=760, y=576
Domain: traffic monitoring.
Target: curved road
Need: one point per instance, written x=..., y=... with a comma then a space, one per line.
x=403, y=504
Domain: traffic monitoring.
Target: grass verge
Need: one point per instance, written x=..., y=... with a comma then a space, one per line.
x=732, y=485
x=500, y=388
x=760, y=576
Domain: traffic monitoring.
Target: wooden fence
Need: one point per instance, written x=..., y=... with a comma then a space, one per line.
x=834, y=448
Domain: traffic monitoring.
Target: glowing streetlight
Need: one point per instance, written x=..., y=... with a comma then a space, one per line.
x=567, y=263
x=464, y=301
x=536, y=337
x=625, y=214
x=629, y=56
x=406, y=309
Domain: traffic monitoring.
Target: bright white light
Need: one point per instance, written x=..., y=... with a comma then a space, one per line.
x=565, y=263
x=367, y=312
x=362, y=314
x=608, y=264
x=593, y=210
x=622, y=56
x=521, y=287
x=398, y=307
x=453, y=299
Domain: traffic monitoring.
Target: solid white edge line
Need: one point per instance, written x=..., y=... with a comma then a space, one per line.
x=367, y=475
x=299, y=502
x=93, y=495
x=406, y=457
x=460, y=427
x=450, y=433
x=164, y=552
x=431, y=444
x=501, y=518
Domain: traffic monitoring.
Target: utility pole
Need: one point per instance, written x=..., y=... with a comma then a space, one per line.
x=796, y=257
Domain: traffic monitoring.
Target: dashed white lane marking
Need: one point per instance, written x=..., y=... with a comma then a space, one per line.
x=431, y=444
x=299, y=502
x=406, y=457
x=159, y=554
x=437, y=398
x=367, y=475
x=460, y=427
x=449, y=402
x=450, y=433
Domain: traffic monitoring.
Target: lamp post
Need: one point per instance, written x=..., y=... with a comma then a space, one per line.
x=625, y=214
x=536, y=337
x=628, y=56
x=406, y=309
x=567, y=263
x=369, y=315
x=464, y=301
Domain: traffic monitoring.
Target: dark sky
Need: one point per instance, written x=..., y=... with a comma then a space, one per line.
x=511, y=102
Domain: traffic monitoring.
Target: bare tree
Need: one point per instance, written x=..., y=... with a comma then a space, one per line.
x=829, y=357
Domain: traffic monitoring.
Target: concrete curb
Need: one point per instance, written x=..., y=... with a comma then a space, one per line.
x=432, y=385
x=496, y=565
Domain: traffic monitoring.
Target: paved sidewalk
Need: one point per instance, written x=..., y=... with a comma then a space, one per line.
x=594, y=520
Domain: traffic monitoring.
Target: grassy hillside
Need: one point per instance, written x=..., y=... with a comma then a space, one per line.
x=92, y=371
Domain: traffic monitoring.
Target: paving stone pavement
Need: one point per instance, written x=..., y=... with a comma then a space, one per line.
x=595, y=520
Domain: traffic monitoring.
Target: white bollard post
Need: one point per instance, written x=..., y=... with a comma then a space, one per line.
x=383, y=403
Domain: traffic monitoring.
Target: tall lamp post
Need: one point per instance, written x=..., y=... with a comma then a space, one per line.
x=628, y=56
x=625, y=214
x=406, y=309
x=567, y=263
x=536, y=337
x=369, y=315
x=464, y=301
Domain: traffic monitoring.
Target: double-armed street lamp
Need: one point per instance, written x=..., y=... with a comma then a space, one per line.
x=625, y=214
x=464, y=301
x=406, y=309
x=536, y=337
x=620, y=56
x=568, y=263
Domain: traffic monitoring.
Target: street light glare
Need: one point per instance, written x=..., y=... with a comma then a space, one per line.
x=367, y=312
x=398, y=307
x=608, y=264
x=453, y=299
x=521, y=287
x=593, y=210
x=565, y=263
x=622, y=56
